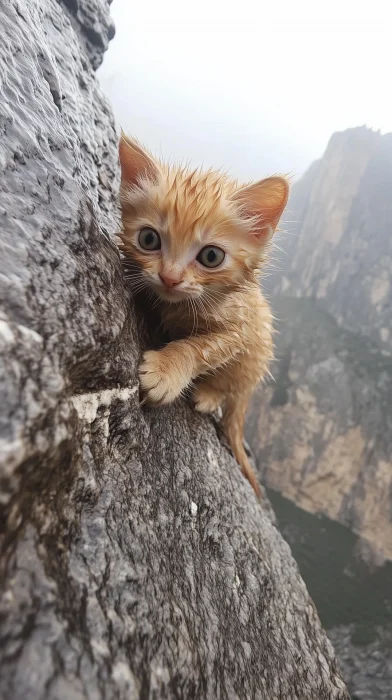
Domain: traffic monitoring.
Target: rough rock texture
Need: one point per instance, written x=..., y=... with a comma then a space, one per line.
x=367, y=667
x=340, y=248
x=135, y=560
x=322, y=432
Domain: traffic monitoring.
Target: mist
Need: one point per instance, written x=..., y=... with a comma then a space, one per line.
x=250, y=87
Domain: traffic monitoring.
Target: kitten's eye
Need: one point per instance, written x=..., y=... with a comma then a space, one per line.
x=211, y=256
x=149, y=239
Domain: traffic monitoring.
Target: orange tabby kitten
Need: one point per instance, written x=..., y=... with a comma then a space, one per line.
x=198, y=241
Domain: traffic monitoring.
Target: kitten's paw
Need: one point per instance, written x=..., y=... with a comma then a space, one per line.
x=161, y=381
x=207, y=399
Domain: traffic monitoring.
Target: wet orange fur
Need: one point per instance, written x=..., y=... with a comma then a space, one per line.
x=218, y=319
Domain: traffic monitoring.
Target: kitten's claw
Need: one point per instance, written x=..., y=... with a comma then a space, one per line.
x=160, y=380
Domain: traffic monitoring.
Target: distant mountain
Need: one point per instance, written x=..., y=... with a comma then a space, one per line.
x=322, y=434
x=338, y=249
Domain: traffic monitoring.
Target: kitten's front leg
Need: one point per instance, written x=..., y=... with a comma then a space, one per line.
x=164, y=374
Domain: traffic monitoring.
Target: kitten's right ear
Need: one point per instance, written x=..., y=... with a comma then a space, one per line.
x=135, y=162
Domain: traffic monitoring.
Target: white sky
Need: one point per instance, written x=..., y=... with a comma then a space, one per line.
x=255, y=87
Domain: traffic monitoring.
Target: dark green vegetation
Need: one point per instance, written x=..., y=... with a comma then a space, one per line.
x=345, y=589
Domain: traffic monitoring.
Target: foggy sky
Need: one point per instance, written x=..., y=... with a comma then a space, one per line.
x=253, y=87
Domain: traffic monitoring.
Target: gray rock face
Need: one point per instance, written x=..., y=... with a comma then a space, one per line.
x=135, y=560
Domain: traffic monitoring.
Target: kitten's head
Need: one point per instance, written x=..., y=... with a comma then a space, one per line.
x=190, y=233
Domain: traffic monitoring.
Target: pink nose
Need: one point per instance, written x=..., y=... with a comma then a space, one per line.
x=169, y=281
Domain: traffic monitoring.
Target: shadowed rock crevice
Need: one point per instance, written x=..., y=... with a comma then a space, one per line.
x=135, y=559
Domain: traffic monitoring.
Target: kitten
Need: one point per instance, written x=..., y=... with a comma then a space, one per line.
x=198, y=241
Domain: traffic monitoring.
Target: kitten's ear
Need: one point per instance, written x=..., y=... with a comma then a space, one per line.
x=135, y=162
x=264, y=201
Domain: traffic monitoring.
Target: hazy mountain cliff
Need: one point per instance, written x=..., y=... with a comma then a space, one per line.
x=339, y=250
x=323, y=432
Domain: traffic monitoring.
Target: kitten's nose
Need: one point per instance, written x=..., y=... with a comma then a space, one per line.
x=169, y=281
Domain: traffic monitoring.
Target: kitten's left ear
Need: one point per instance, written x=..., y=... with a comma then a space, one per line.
x=264, y=202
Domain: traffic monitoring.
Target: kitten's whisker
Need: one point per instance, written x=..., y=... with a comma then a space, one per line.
x=194, y=316
x=139, y=286
x=189, y=308
x=157, y=300
x=204, y=312
x=213, y=311
x=281, y=249
x=139, y=283
x=212, y=305
x=136, y=283
x=136, y=278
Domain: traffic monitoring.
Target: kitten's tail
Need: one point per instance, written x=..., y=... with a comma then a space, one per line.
x=233, y=426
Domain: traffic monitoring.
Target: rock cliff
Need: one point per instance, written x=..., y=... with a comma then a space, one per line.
x=339, y=250
x=135, y=560
x=323, y=432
